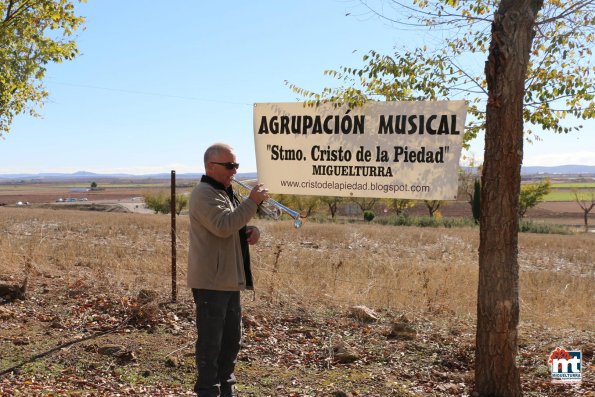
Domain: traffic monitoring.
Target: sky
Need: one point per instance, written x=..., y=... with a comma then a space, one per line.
x=156, y=83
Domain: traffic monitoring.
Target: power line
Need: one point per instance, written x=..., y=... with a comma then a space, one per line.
x=147, y=93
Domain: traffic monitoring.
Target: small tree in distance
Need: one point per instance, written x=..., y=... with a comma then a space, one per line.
x=399, y=205
x=332, y=202
x=532, y=194
x=160, y=202
x=433, y=206
x=583, y=202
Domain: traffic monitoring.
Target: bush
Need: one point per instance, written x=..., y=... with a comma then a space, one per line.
x=396, y=220
x=157, y=202
x=526, y=226
x=427, y=221
x=532, y=194
x=369, y=216
x=161, y=202
x=181, y=203
x=457, y=222
x=424, y=221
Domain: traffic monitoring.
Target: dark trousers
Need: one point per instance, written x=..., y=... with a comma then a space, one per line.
x=218, y=322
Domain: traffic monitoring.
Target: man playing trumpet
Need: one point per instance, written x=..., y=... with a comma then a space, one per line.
x=219, y=268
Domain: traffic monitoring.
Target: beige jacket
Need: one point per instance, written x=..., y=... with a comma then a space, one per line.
x=215, y=255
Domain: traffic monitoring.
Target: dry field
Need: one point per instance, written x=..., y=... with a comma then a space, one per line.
x=117, y=196
x=98, y=320
x=49, y=193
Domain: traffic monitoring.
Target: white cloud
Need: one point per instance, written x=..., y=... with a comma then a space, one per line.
x=579, y=158
x=141, y=170
x=546, y=160
x=135, y=170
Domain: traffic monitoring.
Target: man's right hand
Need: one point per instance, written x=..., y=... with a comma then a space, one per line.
x=259, y=193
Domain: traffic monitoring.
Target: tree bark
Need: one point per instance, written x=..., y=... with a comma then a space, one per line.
x=496, y=373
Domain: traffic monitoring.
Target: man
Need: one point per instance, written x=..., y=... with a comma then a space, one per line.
x=219, y=268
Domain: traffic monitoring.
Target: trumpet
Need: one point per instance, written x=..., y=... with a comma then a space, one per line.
x=273, y=208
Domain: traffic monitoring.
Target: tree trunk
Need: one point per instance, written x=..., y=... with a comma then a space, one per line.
x=496, y=373
x=333, y=209
x=432, y=206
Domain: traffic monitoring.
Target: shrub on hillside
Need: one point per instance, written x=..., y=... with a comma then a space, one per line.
x=161, y=202
x=526, y=226
x=424, y=221
x=158, y=202
x=369, y=215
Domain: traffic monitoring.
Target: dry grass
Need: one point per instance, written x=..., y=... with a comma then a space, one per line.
x=413, y=270
x=121, y=250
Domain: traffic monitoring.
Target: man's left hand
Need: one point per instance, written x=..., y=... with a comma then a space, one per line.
x=253, y=234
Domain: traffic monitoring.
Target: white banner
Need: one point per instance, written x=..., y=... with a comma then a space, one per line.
x=406, y=150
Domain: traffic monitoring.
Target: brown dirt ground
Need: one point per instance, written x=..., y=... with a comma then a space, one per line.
x=59, y=339
x=56, y=343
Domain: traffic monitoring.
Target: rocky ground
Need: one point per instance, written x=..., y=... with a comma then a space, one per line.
x=72, y=336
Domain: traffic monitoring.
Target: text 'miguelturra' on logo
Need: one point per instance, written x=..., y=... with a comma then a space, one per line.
x=565, y=366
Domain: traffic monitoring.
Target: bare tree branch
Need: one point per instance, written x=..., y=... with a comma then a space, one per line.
x=568, y=11
x=10, y=17
x=436, y=19
x=482, y=90
x=8, y=9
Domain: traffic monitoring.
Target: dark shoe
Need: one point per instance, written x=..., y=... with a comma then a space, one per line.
x=212, y=392
x=230, y=392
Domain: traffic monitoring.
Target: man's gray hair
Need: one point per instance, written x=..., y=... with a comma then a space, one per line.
x=215, y=150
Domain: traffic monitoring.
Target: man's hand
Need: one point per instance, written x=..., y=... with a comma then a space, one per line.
x=259, y=194
x=253, y=234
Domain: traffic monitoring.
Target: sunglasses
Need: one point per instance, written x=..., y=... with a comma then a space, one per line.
x=229, y=165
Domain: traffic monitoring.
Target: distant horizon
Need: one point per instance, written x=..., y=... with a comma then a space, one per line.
x=580, y=158
x=83, y=173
